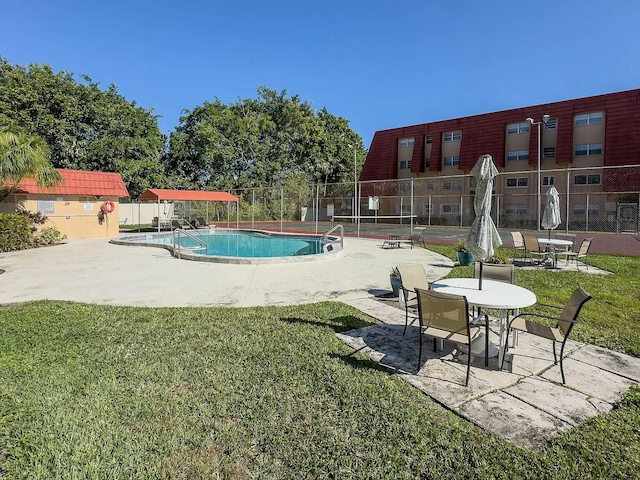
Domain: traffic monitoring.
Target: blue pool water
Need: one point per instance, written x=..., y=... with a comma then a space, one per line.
x=240, y=244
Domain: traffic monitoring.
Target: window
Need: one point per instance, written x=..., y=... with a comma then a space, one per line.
x=427, y=161
x=406, y=209
x=517, y=155
x=452, y=136
x=455, y=160
x=582, y=209
x=588, y=119
x=453, y=209
x=86, y=199
x=589, y=149
x=430, y=186
x=427, y=209
x=451, y=185
x=593, y=179
x=521, y=127
x=428, y=139
x=551, y=124
x=515, y=209
x=404, y=187
x=519, y=182
x=406, y=142
x=548, y=181
x=549, y=152
x=405, y=164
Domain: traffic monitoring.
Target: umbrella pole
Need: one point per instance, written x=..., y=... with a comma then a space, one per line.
x=480, y=277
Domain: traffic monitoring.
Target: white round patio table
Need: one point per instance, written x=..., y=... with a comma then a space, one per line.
x=496, y=295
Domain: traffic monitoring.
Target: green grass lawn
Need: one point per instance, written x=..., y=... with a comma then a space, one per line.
x=121, y=392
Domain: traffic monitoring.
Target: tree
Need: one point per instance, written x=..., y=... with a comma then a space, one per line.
x=261, y=142
x=23, y=156
x=86, y=128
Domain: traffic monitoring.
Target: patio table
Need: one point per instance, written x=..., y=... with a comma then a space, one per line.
x=553, y=243
x=495, y=295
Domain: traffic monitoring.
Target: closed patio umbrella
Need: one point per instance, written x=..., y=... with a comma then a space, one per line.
x=483, y=237
x=551, y=216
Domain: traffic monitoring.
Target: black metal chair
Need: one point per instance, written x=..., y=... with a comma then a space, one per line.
x=565, y=322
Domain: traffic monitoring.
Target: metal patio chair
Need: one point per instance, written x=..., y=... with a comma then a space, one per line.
x=560, y=332
x=446, y=317
x=412, y=276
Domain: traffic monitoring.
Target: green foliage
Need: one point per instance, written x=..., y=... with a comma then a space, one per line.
x=19, y=231
x=394, y=272
x=501, y=255
x=48, y=236
x=261, y=142
x=86, y=128
x=93, y=391
x=21, y=156
x=460, y=247
x=15, y=232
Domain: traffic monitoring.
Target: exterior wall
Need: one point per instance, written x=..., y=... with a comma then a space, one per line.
x=135, y=213
x=74, y=216
x=619, y=134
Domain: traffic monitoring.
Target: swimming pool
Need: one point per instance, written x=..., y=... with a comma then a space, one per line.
x=238, y=246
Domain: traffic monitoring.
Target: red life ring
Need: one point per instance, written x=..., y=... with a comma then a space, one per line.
x=108, y=206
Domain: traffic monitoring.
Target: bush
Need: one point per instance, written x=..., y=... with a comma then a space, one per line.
x=48, y=236
x=19, y=231
x=15, y=232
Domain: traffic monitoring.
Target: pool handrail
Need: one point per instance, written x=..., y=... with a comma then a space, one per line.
x=176, y=245
x=334, y=228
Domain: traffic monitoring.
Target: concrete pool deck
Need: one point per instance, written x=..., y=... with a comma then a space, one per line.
x=96, y=271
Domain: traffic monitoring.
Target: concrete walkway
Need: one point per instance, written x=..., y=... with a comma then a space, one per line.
x=525, y=404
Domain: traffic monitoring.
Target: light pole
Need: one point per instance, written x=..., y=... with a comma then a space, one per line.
x=545, y=119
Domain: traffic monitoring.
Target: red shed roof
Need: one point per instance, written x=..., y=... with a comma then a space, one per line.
x=78, y=182
x=191, y=195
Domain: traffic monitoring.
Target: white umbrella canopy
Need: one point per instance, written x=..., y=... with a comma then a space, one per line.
x=483, y=237
x=551, y=216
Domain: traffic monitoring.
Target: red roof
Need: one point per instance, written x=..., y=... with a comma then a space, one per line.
x=78, y=182
x=190, y=195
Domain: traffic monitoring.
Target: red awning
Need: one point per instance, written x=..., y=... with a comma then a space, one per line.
x=78, y=182
x=155, y=194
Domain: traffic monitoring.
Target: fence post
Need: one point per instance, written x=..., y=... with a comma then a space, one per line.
x=567, y=215
x=411, y=209
x=281, y=206
x=359, y=190
x=461, y=200
x=317, y=204
x=586, y=215
x=429, y=214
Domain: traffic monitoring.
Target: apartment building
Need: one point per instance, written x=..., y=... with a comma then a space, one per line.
x=576, y=142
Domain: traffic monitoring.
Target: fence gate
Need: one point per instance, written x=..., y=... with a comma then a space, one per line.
x=627, y=218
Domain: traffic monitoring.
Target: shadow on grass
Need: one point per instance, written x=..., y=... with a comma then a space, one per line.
x=337, y=324
x=358, y=363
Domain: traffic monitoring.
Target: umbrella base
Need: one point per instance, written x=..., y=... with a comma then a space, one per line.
x=477, y=347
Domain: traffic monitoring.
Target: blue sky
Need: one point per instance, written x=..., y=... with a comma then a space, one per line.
x=378, y=64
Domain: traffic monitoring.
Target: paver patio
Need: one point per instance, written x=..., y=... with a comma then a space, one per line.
x=525, y=404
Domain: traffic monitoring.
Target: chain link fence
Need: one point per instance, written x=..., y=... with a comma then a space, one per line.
x=592, y=199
